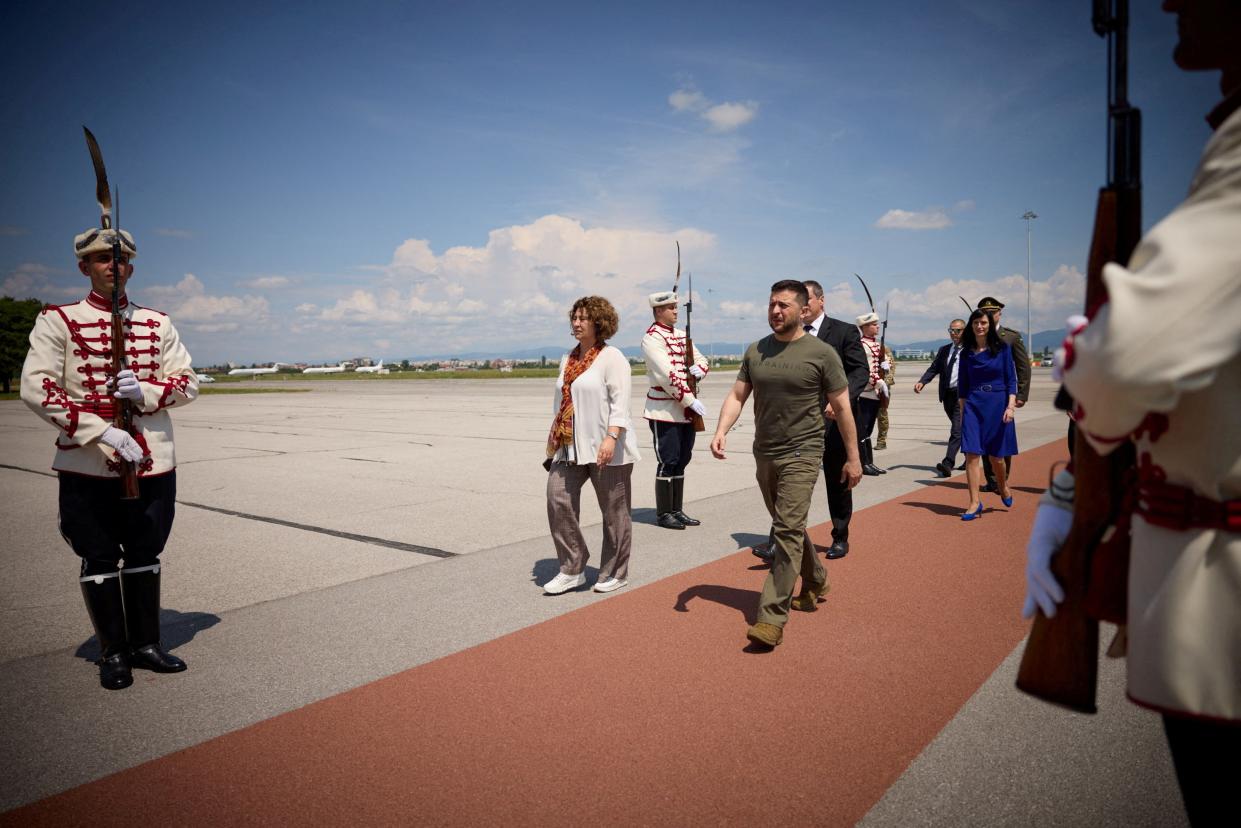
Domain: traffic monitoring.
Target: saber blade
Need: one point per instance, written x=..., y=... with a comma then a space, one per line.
x=868, y=296
x=102, y=193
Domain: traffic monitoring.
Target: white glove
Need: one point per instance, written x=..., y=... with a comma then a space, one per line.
x=1051, y=527
x=1074, y=325
x=124, y=444
x=885, y=366
x=697, y=372
x=698, y=408
x=127, y=387
x=881, y=387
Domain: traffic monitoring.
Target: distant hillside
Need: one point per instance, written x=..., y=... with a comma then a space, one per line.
x=1042, y=339
x=554, y=352
x=1050, y=339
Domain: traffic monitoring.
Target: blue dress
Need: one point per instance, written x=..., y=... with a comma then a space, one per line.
x=984, y=383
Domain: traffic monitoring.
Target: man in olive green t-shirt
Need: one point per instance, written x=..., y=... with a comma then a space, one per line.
x=793, y=377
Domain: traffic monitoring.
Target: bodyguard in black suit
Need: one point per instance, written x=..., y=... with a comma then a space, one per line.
x=945, y=367
x=844, y=337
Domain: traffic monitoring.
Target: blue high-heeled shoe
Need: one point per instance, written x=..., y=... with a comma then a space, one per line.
x=1007, y=501
x=977, y=513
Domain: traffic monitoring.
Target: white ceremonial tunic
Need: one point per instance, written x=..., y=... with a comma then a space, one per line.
x=669, y=395
x=1168, y=344
x=66, y=371
x=871, y=348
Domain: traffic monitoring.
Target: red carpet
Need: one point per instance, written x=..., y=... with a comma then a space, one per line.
x=644, y=708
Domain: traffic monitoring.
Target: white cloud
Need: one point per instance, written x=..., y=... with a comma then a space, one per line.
x=920, y=314
x=519, y=285
x=690, y=99
x=12, y=230
x=963, y=206
x=726, y=117
x=192, y=308
x=266, y=282
x=742, y=310
x=722, y=117
x=934, y=218
x=31, y=280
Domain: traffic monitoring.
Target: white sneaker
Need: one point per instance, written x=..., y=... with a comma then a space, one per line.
x=610, y=585
x=564, y=583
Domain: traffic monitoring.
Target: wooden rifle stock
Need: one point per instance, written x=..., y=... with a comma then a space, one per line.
x=122, y=413
x=1060, y=662
x=696, y=419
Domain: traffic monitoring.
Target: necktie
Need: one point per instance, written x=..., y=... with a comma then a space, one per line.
x=952, y=365
x=808, y=328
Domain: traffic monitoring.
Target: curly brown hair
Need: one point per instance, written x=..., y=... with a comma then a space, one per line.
x=601, y=312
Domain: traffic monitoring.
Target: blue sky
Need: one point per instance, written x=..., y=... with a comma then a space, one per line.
x=319, y=181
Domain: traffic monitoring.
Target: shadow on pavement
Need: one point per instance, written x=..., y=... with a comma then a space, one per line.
x=547, y=568
x=176, y=628
x=747, y=539
x=744, y=601
x=941, y=508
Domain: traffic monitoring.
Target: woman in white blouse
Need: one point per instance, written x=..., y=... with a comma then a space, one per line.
x=591, y=438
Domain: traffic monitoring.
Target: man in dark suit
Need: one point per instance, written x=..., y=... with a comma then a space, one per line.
x=844, y=337
x=945, y=366
x=1021, y=361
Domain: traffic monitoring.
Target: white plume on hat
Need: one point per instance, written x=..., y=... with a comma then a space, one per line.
x=96, y=240
x=663, y=297
x=867, y=318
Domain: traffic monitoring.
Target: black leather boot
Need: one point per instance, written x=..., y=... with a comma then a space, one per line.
x=102, y=594
x=678, y=498
x=141, y=589
x=663, y=506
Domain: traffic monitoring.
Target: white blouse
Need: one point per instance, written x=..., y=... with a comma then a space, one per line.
x=600, y=401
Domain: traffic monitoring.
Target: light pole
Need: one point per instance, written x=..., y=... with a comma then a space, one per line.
x=1029, y=216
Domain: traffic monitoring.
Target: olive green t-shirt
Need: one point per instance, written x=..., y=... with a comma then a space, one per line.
x=791, y=381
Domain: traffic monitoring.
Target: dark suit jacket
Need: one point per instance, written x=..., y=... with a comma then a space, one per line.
x=844, y=337
x=939, y=367
x=1021, y=360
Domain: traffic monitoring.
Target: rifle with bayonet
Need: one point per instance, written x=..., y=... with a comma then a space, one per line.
x=1060, y=663
x=882, y=351
x=696, y=419
x=122, y=410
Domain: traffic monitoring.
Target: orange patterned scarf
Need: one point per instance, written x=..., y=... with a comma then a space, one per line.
x=562, y=426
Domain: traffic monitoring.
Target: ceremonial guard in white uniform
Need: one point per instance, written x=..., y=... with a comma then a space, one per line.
x=68, y=380
x=669, y=403
x=1159, y=364
x=872, y=397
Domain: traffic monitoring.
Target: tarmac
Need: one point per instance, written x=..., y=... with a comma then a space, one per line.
x=354, y=575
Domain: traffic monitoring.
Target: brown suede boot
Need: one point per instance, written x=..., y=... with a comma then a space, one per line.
x=765, y=635
x=809, y=598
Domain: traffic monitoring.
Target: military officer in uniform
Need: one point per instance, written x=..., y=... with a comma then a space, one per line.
x=669, y=402
x=889, y=378
x=1021, y=361
x=68, y=381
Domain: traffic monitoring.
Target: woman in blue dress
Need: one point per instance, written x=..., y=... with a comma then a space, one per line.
x=987, y=388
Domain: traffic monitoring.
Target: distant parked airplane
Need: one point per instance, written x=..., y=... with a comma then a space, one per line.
x=327, y=369
x=372, y=369
x=248, y=372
